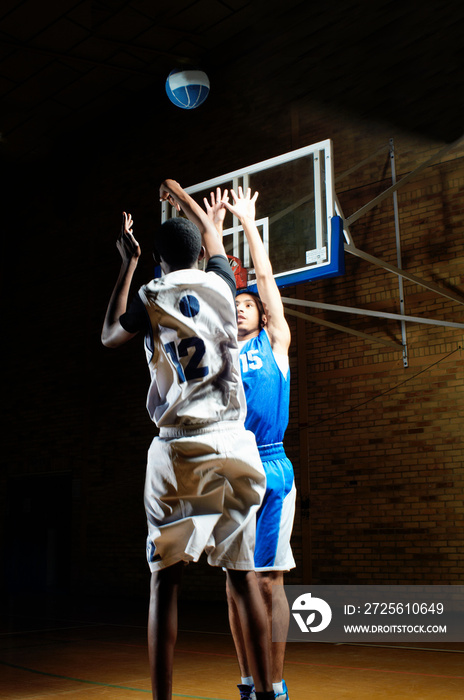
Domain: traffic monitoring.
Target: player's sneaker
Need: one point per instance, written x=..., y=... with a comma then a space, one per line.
x=284, y=694
x=247, y=692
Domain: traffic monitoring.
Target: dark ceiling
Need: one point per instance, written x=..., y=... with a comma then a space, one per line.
x=68, y=62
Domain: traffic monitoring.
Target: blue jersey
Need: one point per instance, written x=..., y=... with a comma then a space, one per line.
x=267, y=391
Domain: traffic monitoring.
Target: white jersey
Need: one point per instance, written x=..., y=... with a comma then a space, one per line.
x=192, y=353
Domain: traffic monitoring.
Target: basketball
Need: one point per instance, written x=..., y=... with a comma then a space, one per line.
x=187, y=89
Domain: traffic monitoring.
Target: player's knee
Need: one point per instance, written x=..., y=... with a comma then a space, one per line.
x=267, y=580
x=170, y=577
x=238, y=582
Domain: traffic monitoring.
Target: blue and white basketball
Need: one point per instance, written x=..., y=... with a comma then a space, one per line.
x=187, y=89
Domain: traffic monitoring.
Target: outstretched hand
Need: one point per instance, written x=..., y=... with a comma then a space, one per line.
x=244, y=206
x=216, y=209
x=165, y=193
x=128, y=247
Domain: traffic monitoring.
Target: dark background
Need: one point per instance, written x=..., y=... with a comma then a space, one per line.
x=87, y=131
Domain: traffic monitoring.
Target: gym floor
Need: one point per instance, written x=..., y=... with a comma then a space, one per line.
x=53, y=648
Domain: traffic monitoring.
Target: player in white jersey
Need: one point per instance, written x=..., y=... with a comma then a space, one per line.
x=204, y=480
x=264, y=339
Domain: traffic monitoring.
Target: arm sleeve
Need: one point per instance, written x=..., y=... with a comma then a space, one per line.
x=135, y=319
x=220, y=265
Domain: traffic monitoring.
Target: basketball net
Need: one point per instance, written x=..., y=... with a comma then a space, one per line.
x=240, y=272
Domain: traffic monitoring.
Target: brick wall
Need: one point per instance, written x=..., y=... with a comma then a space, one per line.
x=384, y=444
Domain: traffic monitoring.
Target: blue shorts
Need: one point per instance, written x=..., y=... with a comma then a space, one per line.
x=276, y=514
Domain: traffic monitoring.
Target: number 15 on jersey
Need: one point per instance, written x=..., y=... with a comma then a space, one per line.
x=250, y=360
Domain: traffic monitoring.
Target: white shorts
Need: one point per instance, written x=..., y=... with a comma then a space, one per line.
x=202, y=493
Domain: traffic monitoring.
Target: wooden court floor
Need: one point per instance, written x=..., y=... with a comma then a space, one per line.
x=56, y=649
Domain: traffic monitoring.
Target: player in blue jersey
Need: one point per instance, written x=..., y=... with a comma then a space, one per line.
x=264, y=340
x=204, y=480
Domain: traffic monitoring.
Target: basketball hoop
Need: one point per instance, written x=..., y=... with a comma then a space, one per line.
x=240, y=272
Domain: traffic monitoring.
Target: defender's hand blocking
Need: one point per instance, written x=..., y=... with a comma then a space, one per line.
x=244, y=207
x=216, y=210
x=128, y=247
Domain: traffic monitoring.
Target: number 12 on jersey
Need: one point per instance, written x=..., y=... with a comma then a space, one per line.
x=191, y=369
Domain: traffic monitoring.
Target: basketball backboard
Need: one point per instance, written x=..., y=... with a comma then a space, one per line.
x=295, y=214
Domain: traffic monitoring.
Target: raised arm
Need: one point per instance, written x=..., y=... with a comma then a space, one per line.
x=277, y=327
x=171, y=190
x=216, y=209
x=113, y=334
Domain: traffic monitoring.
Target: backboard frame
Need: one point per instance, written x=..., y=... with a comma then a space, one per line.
x=326, y=259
